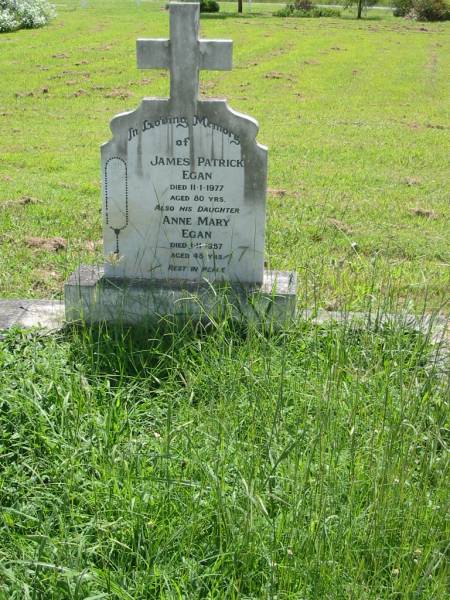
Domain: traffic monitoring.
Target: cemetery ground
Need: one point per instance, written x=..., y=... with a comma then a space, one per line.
x=355, y=116
x=234, y=461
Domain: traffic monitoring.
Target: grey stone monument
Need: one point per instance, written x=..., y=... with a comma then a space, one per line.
x=184, y=194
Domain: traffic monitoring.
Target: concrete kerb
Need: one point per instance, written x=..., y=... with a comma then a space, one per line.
x=47, y=315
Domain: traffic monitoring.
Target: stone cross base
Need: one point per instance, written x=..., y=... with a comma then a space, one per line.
x=93, y=298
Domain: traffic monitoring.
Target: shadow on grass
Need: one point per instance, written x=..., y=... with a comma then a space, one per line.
x=158, y=352
x=153, y=349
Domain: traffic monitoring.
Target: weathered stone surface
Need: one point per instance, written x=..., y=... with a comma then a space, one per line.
x=45, y=314
x=92, y=297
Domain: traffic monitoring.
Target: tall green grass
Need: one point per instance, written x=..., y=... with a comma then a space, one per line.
x=223, y=462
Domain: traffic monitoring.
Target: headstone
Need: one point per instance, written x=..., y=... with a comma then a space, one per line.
x=184, y=194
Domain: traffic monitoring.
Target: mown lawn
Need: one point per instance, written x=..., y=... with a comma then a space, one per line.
x=355, y=114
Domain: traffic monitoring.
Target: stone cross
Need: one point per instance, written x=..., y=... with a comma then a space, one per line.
x=184, y=54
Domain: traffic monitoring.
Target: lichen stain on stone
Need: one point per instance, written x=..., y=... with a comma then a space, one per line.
x=139, y=167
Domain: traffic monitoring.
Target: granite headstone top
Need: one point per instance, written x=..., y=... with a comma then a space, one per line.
x=184, y=195
x=184, y=181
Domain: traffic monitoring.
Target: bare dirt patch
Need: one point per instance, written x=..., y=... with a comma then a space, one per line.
x=423, y=212
x=277, y=193
x=435, y=126
x=53, y=244
x=119, y=93
x=274, y=75
x=339, y=225
x=411, y=181
x=144, y=81
x=25, y=200
x=277, y=75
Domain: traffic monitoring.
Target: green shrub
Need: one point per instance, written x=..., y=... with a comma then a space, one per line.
x=422, y=10
x=24, y=14
x=402, y=7
x=209, y=6
x=305, y=9
x=431, y=10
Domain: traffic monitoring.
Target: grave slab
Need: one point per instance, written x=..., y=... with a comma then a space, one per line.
x=44, y=314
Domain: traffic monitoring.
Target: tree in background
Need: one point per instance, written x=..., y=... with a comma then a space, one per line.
x=360, y=5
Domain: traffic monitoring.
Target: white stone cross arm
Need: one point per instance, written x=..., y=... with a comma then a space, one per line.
x=184, y=54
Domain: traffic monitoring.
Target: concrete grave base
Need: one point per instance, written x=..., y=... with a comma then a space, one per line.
x=92, y=297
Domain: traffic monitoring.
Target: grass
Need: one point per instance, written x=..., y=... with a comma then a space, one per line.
x=233, y=461
x=355, y=116
x=308, y=463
